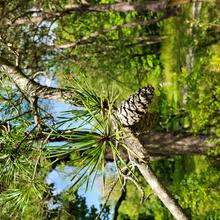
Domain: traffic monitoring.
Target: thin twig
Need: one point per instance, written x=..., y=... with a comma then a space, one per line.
x=127, y=176
x=18, y=116
x=95, y=34
x=35, y=167
x=139, y=187
x=120, y=200
x=106, y=201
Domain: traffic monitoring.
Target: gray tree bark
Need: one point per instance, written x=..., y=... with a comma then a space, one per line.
x=140, y=157
x=31, y=88
x=167, y=144
x=161, y=191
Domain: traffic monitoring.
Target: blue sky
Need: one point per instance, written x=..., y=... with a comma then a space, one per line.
x=62, y=180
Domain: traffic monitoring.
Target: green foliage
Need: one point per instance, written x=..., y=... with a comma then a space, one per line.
x=21, y=187
x=199, y=191
x=187, y=101
x=115, y=57
x=88, y=146
x=189, y=97
x=74, y=207
x=21, y=198
x=198, y=194
x=206, y=92
x=15, y=154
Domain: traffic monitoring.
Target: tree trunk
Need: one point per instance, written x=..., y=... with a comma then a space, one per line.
x=168, y=144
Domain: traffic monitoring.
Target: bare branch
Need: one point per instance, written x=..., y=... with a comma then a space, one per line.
x=161, y=191
x=95, y=34
x=154, y=6
x=31, y=88
x=106, y=201
x=139, y=187
x=119, y=202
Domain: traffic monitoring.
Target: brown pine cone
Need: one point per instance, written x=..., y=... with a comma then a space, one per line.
x=132, y=110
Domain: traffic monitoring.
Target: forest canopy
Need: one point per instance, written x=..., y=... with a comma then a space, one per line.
x=138, y=93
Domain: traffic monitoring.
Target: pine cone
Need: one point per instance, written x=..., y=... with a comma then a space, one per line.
x=132, y=110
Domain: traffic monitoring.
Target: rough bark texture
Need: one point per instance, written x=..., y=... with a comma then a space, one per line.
x=31, y=88
x=167, y=144
x=155, y=145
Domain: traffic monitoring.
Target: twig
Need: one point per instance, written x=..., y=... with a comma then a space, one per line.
x=35, y=111
x=95, y=34
x=35, y=167
x=120, y=200
x=139, y=187
x=15, y=117
x=127, y=176
x=106, y=201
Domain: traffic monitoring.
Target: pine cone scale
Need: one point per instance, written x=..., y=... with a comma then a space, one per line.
x=133, y=109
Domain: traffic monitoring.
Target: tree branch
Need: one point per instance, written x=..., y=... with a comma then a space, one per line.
x=154, y=6
x=119, y=202
x=31, y=88
x=155, y=144
x=142, y=164
x=95, y=34
x=107, y=198
x=161, y=191
x=129, y=6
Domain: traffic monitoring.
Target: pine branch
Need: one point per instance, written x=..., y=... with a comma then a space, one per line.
x=130, y=113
